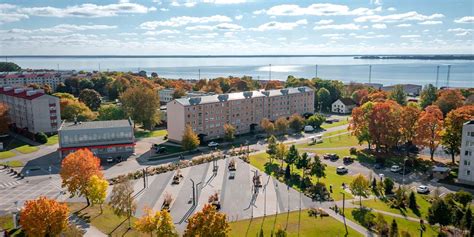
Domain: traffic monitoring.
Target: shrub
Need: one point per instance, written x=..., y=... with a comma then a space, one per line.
x=41, y=138
x=353, y=151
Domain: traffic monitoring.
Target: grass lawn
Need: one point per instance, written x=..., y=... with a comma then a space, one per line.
x=155, y=133
x=6, y=154
x=411, y=227
x=259, y=161
x=26, y=149
x=310, y=226
x=328, y=134
x=421, y=201
x=13, y=163
x=107, y=222
x=340, y=152
x=344, y=140
x=52, y=140
x=331, y=125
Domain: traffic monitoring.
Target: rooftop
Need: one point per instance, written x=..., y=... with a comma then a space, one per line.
x=347, y=101
x=23, y=93
x=96, y=124
x=242, y=95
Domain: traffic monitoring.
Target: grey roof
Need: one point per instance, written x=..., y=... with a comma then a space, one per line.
x=96, y=124
x=347, y=101
x=242, y=95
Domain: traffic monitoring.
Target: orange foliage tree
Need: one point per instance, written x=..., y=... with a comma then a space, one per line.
x=384, y=124
x=207, y=222
x=449, y=99
x=408, y=122
x=429, y=128
x=44, y=217
x=452, y=134
x=359, y=124
x=4, y=118
x=76, y=171
x=360, y=95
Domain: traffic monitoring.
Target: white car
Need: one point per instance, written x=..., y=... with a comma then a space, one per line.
x=395, y=168
x=341, y=170
x=213, y=144
x=308, y=128
x=423, y=189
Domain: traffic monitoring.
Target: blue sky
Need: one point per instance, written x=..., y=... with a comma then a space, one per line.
x=176, y=27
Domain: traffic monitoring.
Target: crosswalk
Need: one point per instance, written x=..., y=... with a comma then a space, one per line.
x=5, y=185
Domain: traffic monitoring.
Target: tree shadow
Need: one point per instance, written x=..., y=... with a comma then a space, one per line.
x=116, y=228
x=361, y=215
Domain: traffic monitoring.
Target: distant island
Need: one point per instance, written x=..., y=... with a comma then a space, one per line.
x=419, y=57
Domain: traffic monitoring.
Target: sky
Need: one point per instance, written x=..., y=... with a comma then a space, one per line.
x=235, y=27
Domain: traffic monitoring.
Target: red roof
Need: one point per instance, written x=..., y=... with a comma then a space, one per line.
x=21, y=95
x=31, y=75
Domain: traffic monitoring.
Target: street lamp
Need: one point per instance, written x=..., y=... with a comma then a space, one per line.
x=403, y=176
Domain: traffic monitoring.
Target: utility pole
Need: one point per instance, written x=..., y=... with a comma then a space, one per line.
x=370, y=73
x=316, y=71
x=437, y=76
x=447, y=77
x=270, y=72
x=199, y=74
x=99, y=67
x=58, y=67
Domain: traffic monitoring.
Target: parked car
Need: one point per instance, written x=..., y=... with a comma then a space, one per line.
x=395, y=168
x=334, y=157
x=327, y=156
x=308, y=128
x=213, y=144
x=423, y=189
x=341, y=170
x=347, y=159
x=110, y=160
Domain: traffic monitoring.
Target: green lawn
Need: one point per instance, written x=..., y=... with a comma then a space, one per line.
x=344, y=140
x=52, y=140
x=340, y=152
x=412, y=227
x=309, y=226
x=6, y=154
x=259, y=161
x=107, y=222
x=331, y=125
x=25, y=149
x=328, y=134
x=13, y=163
x=421, y=201
x=155, y=133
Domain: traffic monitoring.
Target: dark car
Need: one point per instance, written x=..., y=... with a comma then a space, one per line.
x=378, y=166
x=347, y=159
x=334, y=157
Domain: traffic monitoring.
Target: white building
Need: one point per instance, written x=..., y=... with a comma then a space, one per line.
x=343, y=106
x=31, y=110
x=466, y=164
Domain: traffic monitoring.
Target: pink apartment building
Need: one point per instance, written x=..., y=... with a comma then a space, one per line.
x=244, y=110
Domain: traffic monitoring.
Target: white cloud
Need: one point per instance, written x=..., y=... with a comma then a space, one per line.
x=222, y=26
x=461, y=31
x=274, y=25
x=466, y=19
x=379, y=26
x=408, y=16
x=350, y=26
x=430, y=23
x=239, y=17
x=88, y=10
x=403, y=25
x=161, y=32
x=332, y=35
x=371, y=36
x=164, y=9
x=410, y=36
x=8, y=13
x=183, y=20
x=225, y=1
x=63, y=28
x=207, y=36
x=392, y=9
x=324, y=22
x=317, y=9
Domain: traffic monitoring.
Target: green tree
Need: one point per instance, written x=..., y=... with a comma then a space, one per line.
x=318, y=169
x=63, y=95
x=296, y=122
x=280, y=232
x=281, y=153
x=122, y=200
x=381, y=225
x=142, y=104
x=360, y=186
x=91, y=98
x=323, y=101
x=41, y=137
x=9, y=67
x=438, y=213
x=393, y=229
x=429, y=94
x=316, y=120
x=272, y=147
x=388, y=186
x=190, y=140
x=412, y=201
x=463, y=197
x=292, y=156
x=467, y=219
x=229, y=132
x=281, y=125
x=72, y=109
x=111, y=112
x=303, y=161
x=398, y=95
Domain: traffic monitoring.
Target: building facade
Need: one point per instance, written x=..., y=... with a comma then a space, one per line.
x=31, y=110
x=343, y=106
x=409, y=89
x=106, y=139
x=244, y=110
x=466, y=164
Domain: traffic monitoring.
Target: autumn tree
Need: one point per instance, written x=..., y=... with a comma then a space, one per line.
x=190, y=140
x=90, y=98
x=428, y=96
x=44, y=217
x=429, y=128
x=122, y=200
x=359, y=124
x=147, y=223
x=73, y=109
x=384, y=126
x=408, y=123
x=166, y=226
x=142, y=104
x=316, y=120
x=4, y=119
x=452, y=133
x=97, y=190
x=360, y=186
x=449, y=99
x=360, y=95
x=296, y=122
x=267, y=125
x=375, y=96
x=76, y=172
x=398, y=95
x=111, y=112
x=229, y=132
x=281, y=125
x=273, y=84
x=281, y=153
x=179, y=93
x=207, y=222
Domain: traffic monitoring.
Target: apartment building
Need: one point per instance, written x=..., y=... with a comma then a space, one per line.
x=20, y=79
x=31, y=110
x=166, y=95
x=106, y=139
x=244, y=110
x=466, y=164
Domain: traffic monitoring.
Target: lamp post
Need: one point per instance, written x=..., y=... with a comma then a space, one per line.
x=403, y=176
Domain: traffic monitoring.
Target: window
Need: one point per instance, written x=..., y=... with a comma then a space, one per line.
x=468, y=172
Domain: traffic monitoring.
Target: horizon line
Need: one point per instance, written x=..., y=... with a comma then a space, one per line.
x=219, y=55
